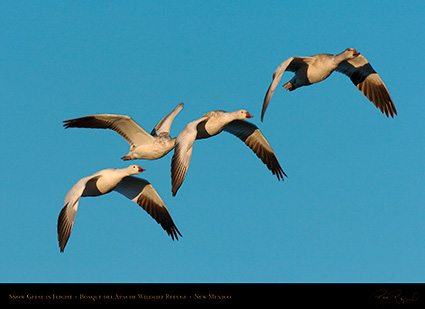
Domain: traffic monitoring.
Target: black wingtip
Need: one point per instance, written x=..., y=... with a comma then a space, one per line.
x=281, y=175
x=66, y=124
x=174, y=234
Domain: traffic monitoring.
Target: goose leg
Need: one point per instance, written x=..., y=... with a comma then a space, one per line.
x=288, y=86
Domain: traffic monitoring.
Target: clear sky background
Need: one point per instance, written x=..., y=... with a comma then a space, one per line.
x=351, y=210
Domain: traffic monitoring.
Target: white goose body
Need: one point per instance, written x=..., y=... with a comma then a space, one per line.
x=159, y=148
x=142, y=144
x=215, y=122
x=102, y=182
x=316, y=68
x=136, y=189
x=212, y=123
x=321, y=68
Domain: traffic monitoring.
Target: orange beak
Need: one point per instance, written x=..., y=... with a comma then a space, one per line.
x=141, y=169
x=248, y=115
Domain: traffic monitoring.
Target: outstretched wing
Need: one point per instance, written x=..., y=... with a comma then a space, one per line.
x=183, y=153
x=123, y=125
x=365, y=78
x=292, y=64
x=163, y=127
x=67, y=215
x=144, y=194
x=277, y=75
x=254, y=139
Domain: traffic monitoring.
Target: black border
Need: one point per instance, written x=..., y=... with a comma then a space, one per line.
x=280, y=294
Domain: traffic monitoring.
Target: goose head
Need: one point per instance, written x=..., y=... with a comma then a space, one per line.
x=242, y=114
x=351, y=53
x=134, y=169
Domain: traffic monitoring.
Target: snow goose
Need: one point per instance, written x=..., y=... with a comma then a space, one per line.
x=212, y=123
x=143, y=145
x=314, y=69
x=136, y=189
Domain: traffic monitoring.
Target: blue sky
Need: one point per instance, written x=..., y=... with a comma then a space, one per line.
x=351, y=210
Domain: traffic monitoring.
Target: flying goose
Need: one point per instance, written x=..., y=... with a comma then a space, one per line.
x=212, y=123
x=143, y=145
x=316, y=68
x=136, y=189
